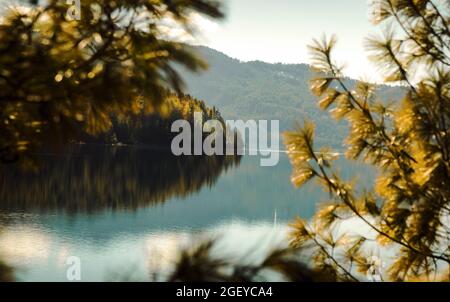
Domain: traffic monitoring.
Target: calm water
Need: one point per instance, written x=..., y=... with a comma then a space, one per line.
x=126, y=212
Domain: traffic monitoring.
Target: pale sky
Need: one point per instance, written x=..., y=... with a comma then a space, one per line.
x=280, y=30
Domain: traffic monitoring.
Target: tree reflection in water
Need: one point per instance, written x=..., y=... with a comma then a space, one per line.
x=89, y=178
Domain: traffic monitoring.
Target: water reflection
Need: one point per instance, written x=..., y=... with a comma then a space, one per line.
x=39, y=254
x=90, y=178
x=126, y=212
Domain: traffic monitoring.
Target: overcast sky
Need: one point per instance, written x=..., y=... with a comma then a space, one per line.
x=280, y=30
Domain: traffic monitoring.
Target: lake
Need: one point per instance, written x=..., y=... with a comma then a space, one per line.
x=127, y=211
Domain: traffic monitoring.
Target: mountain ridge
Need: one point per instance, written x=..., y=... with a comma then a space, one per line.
x=257, y=90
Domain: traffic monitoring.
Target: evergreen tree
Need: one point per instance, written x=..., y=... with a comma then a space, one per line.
x=61, y=77
x=407, y=141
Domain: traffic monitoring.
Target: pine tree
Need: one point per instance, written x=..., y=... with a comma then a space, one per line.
x=407, y=141
x=60, y=77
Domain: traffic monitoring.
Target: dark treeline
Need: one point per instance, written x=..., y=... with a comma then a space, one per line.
x=88, y=175
x=152, y=126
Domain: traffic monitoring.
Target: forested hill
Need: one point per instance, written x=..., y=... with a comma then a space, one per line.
x=258, y=90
